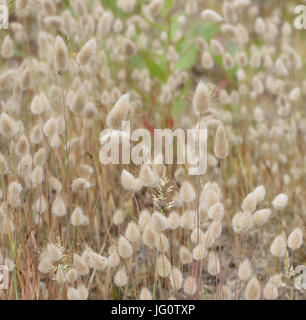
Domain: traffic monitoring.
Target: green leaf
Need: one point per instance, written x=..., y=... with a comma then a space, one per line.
x=208, y=31
x=155, y=69
x=188, y=59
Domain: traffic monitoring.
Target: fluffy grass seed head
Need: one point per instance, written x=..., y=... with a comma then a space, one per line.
x=270, y=291
x=221, y=143
x=125, y=249
x=187, y=192
x=279, y=246
x=87, y=52
x=202, y=98
x=213, y=264
x=190, y=286
x=58, y=206
x=61, y=54
x=245, y=270
x=132, y=232
x=253, y=290
x=295, y=239
x=121, y=278
x=260, y=217
x=280, y=201
x=145, y=294
x=176, y=279
x=163, y=266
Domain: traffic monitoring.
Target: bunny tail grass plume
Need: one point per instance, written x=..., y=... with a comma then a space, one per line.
x=211, y=16
x=202, y=98
x=163, y=266
x=61, y=54
x=187, y=192
x=121, y=278
x=7, y=50
x=245, y=270
x=119, y=217
x=54, y=253
x=119, y=112
x=278, y=246
x=147, y=176
x=270, y=291
x=125, y=249
x=176, y=279
x=221, y=143
x=280, y=201
x=260, y=217
x=213, y=264
x=145, y=294
x=253, y=290
x=132, y=232
x=87, y=52
x=190, y=286
x=295, y=239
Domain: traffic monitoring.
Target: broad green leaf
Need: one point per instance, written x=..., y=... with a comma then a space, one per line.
x=155, y=69
x=188, y=59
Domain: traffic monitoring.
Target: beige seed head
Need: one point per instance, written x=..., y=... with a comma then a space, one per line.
x=132, y=232
x=121, y=278
x=202, y=98
x=211, y=16
x=125, y=249
x=260, y=193
x=163, y=266
x=207, y=61
x=73, y=294
x=77, y=217
x=295, y=239
x=87, y=52
x=260, y=217
x=213, y=264
x=145, y=294
x=71, y=275
x=38, y=175
x=144, y=219
x=147, y=176
x=119, y=217
x=173, y=220
x=58, y=206
x=36, y=135
x=252, y=291
x=216, y=211
x=250, y=202
x=159, y=222
x=80, y=265
x=278, y=246
x=185, y=255
x=190, y=286
x=245, y=221
x=280, y=201
x=7, y=50
x=270, y=291
x=176, y=279
x=221, y=144
x=244, y=271
x=119, y=112
x=53, y=252
x=161, y=243
x=22, y=147
x=61, y=54
x=187, y=192
x=148, y=236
